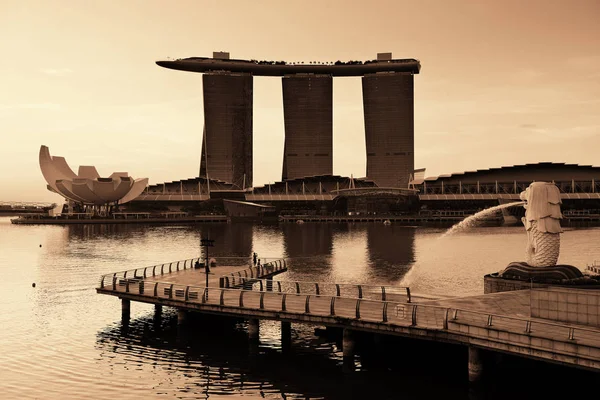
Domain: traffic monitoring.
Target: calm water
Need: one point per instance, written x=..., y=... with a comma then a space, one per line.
x=61, y=340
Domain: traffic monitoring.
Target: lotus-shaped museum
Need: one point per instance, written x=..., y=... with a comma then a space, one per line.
x=87, y=187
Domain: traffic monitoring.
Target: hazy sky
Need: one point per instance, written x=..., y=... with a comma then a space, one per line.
x=502, y=82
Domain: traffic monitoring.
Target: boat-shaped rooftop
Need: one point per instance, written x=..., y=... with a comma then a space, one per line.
x=282, y=68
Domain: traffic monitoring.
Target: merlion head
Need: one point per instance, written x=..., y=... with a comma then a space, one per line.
x=542, y=207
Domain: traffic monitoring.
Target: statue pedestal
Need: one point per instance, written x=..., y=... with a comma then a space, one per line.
x=520, y=275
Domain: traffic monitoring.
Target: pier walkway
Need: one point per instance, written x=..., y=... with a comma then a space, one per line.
x=499, y=322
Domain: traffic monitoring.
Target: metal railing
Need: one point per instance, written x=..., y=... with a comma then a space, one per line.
x=454, y=320
x=530, y=327
x=367, y=292
x=153, y=270
x=174, y=266
x=254, y=272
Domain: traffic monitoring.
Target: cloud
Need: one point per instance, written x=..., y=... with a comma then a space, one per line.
x=56, y=71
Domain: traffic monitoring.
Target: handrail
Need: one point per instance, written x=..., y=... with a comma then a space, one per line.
x=319, y=288
x=177, y=265
x=412, y=315
x=490, y=317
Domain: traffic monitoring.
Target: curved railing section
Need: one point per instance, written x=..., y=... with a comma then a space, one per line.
x=271, y=265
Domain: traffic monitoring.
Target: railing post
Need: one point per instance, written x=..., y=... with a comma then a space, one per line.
x=358, y=308
x=155, y=289
x=154, y=271
x=262, y=301
x=145, y=272
x=162, y=267
x=297, y=288
x=170, y=265
x=307, y=304
x=332, y=306
x=125, y=274
x=408, y=294
x=246, y=273
x=102, y=282
x=360, y=294
x=528, y=327
x=337, y=290
x=455, y=315
x=384, y=317
x=283, y=302
x=187, y=290
x=414, y=316
x=261, y=285
x=317, y=288
x=241, y=298
x=177, y=266
x=227, y=282
x=489, y=322
x=222, y=297
x=383, y=293
x=126, y=285
x=279, y=286
x=571, y=333
x=204, y=295
x=446, y=318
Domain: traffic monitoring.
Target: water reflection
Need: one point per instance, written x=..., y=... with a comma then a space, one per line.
x=230, y=239
x=61, y=341
x=217, y=363
x=307, y=240
x=194, y=362
x=391, y=252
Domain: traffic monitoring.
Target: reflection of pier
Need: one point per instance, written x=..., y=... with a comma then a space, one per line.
x=498, y=322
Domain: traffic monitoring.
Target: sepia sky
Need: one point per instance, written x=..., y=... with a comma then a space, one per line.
x=502, y=82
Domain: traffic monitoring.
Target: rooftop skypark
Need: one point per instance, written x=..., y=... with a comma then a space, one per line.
x=221, y=61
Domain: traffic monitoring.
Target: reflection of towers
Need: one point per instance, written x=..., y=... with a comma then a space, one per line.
x=227, y=142
x=308, y=116
x=231, y=240
x=307, y=240
x=391, y=251
x=388, y=100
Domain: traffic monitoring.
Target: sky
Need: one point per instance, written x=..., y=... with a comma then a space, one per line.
x=501, y=83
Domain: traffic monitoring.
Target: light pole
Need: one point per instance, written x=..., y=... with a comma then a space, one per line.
x=206, y=243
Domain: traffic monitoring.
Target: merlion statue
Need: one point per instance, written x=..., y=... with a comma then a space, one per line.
x=542, y=223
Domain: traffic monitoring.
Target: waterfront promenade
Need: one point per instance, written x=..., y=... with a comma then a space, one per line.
x=499, y=322
x=119, y=218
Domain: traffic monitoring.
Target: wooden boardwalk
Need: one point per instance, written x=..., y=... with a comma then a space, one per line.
x=500, y=322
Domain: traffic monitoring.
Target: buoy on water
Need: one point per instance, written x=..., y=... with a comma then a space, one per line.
x=40, y=245
x=33, y=284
